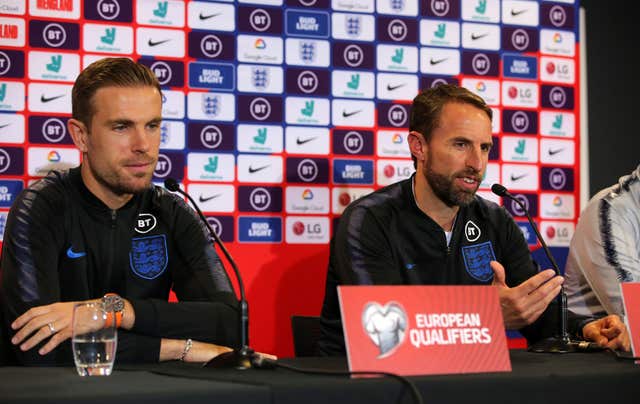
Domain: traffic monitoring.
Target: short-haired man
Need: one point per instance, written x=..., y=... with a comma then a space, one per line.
x=102, y=230
x=415, y=232
x=605, y=249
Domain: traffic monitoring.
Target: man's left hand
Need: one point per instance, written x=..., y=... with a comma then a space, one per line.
x=52, y=321
x=608, y=332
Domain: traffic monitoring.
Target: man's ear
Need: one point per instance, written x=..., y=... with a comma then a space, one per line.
x=79, y=134
x=417, y=145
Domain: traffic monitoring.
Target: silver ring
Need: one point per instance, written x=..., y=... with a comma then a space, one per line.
x=51, y=328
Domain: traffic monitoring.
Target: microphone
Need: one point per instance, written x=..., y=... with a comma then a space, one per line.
x=560, y=343
x=243, y=357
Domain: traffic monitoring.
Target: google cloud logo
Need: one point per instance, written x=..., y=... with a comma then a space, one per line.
x=307, y=194
x=260, y=44
x=480, y=86
x=557, y=201
x=53, y=156
x=397, y=139
x=557, y=38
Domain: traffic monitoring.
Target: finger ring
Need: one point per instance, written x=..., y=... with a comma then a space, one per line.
x=51, y=328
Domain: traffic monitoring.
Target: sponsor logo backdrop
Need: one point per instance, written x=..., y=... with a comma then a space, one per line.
x=279, y=113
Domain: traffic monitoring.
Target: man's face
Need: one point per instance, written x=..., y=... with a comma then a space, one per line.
x=457, y=153
x=123, y=139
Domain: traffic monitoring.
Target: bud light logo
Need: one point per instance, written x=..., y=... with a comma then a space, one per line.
x=304, y=23
x=9, y=190
x=352, y=171
x=259, y=229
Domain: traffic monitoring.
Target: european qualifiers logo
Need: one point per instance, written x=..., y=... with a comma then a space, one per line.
x=259, y=199
x=519, y=121
x=260, y=20
x=59, y=35
x=304, y=81
x=11, y=64
x=386, y=326
x=481, y=63
x=349, y=55
x=170, y=73
x=45, y=130
x=206, y=45
x=557, y=16
x=559, y=97
x=211, y=136
x=353, y=142
x=307, y=170
x=108, y=10
x=391, y=29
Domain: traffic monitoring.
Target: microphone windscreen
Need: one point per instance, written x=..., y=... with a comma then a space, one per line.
x=171, y=184
x=499, y=190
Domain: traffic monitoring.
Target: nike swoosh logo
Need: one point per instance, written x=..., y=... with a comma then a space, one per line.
x=477, y=36
x=206, y=17
x=300, y=142
x=517, y=177
x=4, y=126
x=73, y=255
x=515, y=13
x=204, y=199
x=152, y=43
x=48, y=99
x=554, y=152
x=436, y=62
x=346, y=114
x=391, y=88
x=255, y=170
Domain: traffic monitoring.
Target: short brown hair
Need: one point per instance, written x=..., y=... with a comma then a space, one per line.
x=108, y=72
x=427, y=107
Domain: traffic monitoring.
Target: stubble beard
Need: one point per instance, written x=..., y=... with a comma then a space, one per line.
x=444, y=188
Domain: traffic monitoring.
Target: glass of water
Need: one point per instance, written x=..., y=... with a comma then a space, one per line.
x=94, y=340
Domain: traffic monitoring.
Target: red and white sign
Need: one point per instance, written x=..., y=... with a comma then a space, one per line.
x=421, y=330
x=631, y=299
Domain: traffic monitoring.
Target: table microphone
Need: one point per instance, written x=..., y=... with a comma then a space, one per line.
x=560, y=343
x=243, y=357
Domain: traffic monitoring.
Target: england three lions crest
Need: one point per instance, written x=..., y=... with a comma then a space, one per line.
x=148, y=257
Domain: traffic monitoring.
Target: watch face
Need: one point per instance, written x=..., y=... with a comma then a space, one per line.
x=113, y=303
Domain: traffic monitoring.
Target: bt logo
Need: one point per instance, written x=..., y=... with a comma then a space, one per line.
x=353, y=55
x=211, y=136
x=54, y=35
x=307, y=170
x=260, y=199
x=163, y=166
x=307, y=81
x=108, y=9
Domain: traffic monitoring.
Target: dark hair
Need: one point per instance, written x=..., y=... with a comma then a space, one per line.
x=108, y=72
x=427, y=107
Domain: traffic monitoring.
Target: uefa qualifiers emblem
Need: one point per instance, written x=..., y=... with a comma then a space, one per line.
x=385, y=325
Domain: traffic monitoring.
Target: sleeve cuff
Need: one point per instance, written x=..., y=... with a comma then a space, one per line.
x=146, y=317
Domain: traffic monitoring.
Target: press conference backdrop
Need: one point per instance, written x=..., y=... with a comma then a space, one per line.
x=279, y=113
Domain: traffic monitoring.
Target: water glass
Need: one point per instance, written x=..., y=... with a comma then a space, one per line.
x=94, y=340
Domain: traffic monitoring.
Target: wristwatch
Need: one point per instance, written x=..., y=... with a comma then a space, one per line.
x=114, y=305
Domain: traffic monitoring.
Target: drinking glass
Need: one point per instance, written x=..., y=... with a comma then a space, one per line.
x=94, y=340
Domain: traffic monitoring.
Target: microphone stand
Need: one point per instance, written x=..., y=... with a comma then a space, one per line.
x=243, y=357
x=561, y=342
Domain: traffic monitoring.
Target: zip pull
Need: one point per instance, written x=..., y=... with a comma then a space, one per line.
x=114, y=215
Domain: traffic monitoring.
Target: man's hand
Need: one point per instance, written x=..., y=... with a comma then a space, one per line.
x=608, y=332
x=523, y=304
x=52, y=321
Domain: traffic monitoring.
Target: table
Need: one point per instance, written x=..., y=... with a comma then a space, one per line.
x=536, y=378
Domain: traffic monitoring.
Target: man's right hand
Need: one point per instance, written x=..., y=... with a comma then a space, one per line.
x=523, y=304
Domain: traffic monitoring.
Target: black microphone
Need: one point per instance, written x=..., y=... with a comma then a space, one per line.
x=560, y=343
x=243, y=357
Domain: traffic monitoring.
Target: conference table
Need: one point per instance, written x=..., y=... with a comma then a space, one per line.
x=595, y=377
